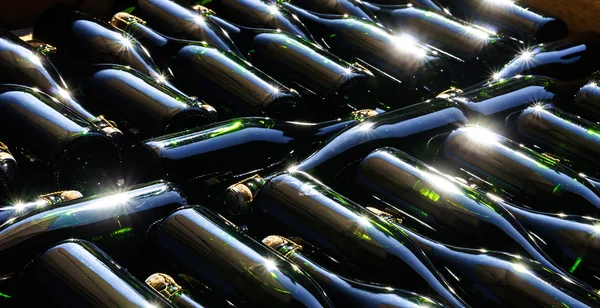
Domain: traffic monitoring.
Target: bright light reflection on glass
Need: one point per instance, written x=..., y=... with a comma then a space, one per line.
x=292, y=169
x=409, y=43
x=273, y=9
x=481, y=135
x=366, y=126
x=526, y=55
x=520, y=268
x=501, y=2
x=363, y=221
x=125, y=42
x=35, y=60
x=270, y=265
x=200, y=20
x=161, y=79
x=64, y=93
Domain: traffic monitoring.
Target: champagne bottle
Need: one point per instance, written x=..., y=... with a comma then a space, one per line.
x=506, y=16
x=21, y=64
x=368, y=248
x=225, y=80
x=418, y=72
x=460, y=215
x=209, y=248
x=54, y=141
x=419, y=129
x=588, y=101
x=345, y=292
x=187, y=157
x=166, y=286
x=503, y=280
x=113, y=221
x=8, y=171
x=169, y=18
x=76, y=273
x=323, y=80
x=255, y=14
x=418, y=190
x=11, y=212
x=572, y=58
x=520, y=173
x=146, y=107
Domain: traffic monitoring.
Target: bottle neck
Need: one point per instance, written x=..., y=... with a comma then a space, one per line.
x=313, y=22
x=137, y=27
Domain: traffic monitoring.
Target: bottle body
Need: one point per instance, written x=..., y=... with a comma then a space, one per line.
x=520, y=173
x=9, y=169
x=509, y=18
x=208, y=248
x=70, y=151
x=110, y=220
x=367, y=248
x=187, y=158
x=78, y=274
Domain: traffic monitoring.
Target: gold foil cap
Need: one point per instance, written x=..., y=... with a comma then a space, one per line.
x=164, y=284
x=276, y=241
x=123, y=19
x=60, y=196
x=364, y=113
x=450, y=93
x=203, y=10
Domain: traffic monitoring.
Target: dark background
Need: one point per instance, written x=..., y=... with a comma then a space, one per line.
x=581, y=15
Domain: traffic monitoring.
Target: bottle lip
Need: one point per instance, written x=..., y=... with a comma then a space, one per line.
x=8, y=163
x=238, y=198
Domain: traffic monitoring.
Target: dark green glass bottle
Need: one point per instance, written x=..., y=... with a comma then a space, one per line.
x=10, y=213
x=521, y=174
x=505, y=16
x=8, y=171
x=207, y=247
x=188, y=158
x=22, y=64
x=56, y=148
x=166, y=286
x=226, y=81
x=76, y=273
x=345, y=292
x=366, y=247
x=408, y=186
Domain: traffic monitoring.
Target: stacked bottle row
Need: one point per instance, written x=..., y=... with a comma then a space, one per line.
x=455, y=214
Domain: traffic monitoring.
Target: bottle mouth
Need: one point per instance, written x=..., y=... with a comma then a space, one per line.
x=8, y=164
x=238, y=198
x=163, y=284
x=553, y=30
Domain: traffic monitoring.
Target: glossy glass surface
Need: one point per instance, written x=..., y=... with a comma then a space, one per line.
x=418, y=129
x=20, y=64
x=113, y=220
x=127, y=95
x=92, y=40
x=351, y=293
x=460, y=215
x=360, y=241
x=209, y=248
x=188, y=156
x=494, y=279
x=564, y=134
x=588, y=101
x=572, y=241
x=354, y=8
x=448, y=34
x=521, y=173
x=259, y=14
x=174, y=20
x=510, y=18
x=400, y=57
x=78, y=274
x=569, y=59
x=51, y=139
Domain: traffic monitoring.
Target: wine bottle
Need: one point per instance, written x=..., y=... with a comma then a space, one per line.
x=21, y=64
x=54, y=141
x=169, y=18
x=11, y=212
x=503, y=280
x=146, y=107
x=572, y=58
x=587, y=100
x=76, y=273
x=323, y=80
x=345, y=292
x=8, y=171
x=417, y=72
x=113, y=221
x=255, y=14
x=418, y=129
x=226, y=81
x=367, y=247
x=418, y=190
x=354, y=8
x=166, y=286
x=460, y=215
x=186, y=157
x=505, y=16
x=209, y=248
x=521, y=174
x=432, y=5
